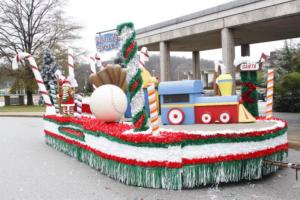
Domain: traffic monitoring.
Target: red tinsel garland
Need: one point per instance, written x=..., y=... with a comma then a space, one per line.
x=261, y=153
x=185, y=161
x=246, y=96
x=116, y=130
x=129, y=49
x=116, y=158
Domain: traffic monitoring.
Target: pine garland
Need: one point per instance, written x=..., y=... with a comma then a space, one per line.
x=134, y=77
x=249, y=92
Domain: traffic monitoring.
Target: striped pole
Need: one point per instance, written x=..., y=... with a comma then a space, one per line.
x=78, y=102
x=98, y=61
x=71, y=62
x=53, y=94
x=270, y=85
x=50, y=109
x=93, y=61
x=153, y=109
x=92, y=64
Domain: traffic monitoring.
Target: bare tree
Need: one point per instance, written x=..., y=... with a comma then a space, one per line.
x=31, y=25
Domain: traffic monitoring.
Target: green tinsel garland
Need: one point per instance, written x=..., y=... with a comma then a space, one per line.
x=125, y=24
x=154, y=177
x=233, y=171
x=169, y=178
x=64, y=132
x=250, y=77
x=137, y=117
x=129, y=53
x=126, y=46
x=166, y=145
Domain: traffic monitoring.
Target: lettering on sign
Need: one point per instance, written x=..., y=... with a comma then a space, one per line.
x=108, y=45
x=107, y=41
x=249, y=67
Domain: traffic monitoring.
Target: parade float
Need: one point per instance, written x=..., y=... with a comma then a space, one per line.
x=201, y=139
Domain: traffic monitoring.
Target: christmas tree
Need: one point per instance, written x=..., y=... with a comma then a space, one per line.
x=48, y=73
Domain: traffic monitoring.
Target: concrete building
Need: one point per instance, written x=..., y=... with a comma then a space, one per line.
x=241, y=22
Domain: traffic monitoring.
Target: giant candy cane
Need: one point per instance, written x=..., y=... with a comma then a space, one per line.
x=92, y=64
x=134, y=76
x=153, y=109
x=144, y=56
x=50, y=109
x=270, y=85
x=78, y=102
x=98, y=61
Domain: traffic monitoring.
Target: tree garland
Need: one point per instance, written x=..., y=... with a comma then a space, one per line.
x=134, y=77
x=249, y=92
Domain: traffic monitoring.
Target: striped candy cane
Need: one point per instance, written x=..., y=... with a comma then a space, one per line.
x=50, y=109
x=153, y=109
x=98, y=61
x=53, y=94
x=93, y=67
x=71, y=62
x=144, y=56
x=270, y=85
x=92, y=64
x=78, y=102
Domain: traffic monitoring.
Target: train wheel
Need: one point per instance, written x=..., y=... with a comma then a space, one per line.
x=175, y=116
x=224, y=117
x=206, y=118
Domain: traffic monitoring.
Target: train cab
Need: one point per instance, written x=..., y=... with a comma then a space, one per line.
x=177, y=100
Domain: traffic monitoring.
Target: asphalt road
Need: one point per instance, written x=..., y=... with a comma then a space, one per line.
x=29, y=169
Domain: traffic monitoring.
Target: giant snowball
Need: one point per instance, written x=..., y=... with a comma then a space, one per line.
x=108, y=103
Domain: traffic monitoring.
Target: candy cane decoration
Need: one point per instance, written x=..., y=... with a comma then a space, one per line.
x=98, y=61
x=92, y=64
x=71, y=62
x=78, y=102
x=134, y=76
x=50, y=109
x=153, y=109
x=93, y=67
x=270, y=85
x=53, y=94
x=144, y=56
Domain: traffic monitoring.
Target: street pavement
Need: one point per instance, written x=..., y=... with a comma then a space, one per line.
x=29, y=169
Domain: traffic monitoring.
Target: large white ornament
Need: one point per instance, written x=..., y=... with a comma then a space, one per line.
x=108, y=103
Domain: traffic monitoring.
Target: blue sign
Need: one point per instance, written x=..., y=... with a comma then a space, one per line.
x=107, y=41
x=108, y=44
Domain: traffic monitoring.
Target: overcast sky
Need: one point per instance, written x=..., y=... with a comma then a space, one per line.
x=101, y=15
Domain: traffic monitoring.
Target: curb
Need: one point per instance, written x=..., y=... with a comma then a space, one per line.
x=294, y=144
x=21, y=115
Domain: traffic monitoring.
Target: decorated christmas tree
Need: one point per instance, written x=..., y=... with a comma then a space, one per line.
x=48, y=72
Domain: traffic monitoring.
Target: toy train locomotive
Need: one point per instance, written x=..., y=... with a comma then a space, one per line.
x=183, y=102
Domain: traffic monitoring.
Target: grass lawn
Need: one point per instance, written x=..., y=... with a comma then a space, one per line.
x=22, y=109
